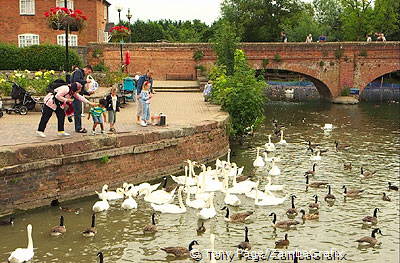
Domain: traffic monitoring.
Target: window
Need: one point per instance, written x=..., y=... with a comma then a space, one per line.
x=61, y=3
x=72, y=40
x=25, y=40
x=106, y=13
x=26, y=7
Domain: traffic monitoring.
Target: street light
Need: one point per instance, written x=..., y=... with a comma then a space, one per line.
x=118, y=7
x=66, y=67
x=129, y=16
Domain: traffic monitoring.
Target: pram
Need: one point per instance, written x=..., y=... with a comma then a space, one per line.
x=1, y=108
x=24, y=102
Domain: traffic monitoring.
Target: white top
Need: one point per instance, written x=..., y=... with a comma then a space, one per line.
x=114, y=102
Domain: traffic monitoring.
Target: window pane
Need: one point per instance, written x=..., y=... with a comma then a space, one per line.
x=27, y=7
x=61, y=3
x=72, y=40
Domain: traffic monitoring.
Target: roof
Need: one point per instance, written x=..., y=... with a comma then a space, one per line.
x=106, y=2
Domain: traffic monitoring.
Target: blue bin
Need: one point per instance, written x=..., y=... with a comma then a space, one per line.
x=129, y=89
x=354, y=91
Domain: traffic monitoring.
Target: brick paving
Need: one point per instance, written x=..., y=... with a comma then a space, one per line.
x=180, y=108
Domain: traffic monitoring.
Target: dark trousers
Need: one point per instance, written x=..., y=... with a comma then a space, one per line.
x=77, y=114
x=46, y=114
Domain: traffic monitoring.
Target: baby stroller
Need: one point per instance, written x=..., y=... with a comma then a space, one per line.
x=1, y=108
x=23, y=100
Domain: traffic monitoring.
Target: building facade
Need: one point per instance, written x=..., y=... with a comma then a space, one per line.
x=23, y=22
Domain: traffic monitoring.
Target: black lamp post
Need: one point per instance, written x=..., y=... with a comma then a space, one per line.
x=129, y=16
x=66, y=66
x=119, y=9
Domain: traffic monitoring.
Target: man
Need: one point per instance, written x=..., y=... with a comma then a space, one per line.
x=79, y=75
x=142, y=79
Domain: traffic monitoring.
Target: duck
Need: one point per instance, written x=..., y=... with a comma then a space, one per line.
x=101, y=257
x=314, y=205
x=259, y=161
x=171, y=208
x=269, y=146
x=180, y=252
x=314, y=184
x=311, y=172
x=275, y=171
x=129, y=203
x=245, y=245
x=101, y=206
x=91, y=231
x=393, y=187
x=329, y=197
x=59, y=230
x=292, y=212
x=314, y=216
x=157, y=197
x=351, y=192
x=316, y=156
x=371, y=241
x=385, y=197
x=283, y=224
x=282, y=141
x=328, y=127
x=270, y=187
x=347, y=166
x=21, y=255
x=283, y=243
x=236, y=218
x=201, y=229
x=341, y=146
x=371, y=220
x=208, y=212
x=7, y=222
x=151, y=228
x=366, y=174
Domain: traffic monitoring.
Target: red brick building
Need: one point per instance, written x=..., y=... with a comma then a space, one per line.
x=23, y=23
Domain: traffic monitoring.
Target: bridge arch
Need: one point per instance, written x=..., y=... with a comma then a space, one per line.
x=377, y=73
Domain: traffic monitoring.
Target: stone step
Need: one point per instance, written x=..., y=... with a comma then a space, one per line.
x=176, y=90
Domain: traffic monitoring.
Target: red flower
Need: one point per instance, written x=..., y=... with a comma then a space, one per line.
x=84, y=17
x=78, y=11
x=47, y=14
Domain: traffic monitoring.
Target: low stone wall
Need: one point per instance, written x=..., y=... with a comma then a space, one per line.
x=33, y=175
x=278, y=93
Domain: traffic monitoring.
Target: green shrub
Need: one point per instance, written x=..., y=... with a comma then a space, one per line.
x=198, y=55
x=265, y=62
x=100, y=67
x=112, y=78
x=277, y=58
x=10, y=57
x=321, y=63
x=345, y=91
x=105, y=159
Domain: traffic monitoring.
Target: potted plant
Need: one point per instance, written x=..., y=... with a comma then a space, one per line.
x=119, y=32
x=59, y=18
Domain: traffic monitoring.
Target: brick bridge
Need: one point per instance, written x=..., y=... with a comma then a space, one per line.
x=331, y=66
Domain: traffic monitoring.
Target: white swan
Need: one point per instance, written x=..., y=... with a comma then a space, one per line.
x=270, y=200
x=275, y=171
x=159, y=196
x=258, y=162
x=242, y=187
x=328, y=127
x=23, y=254
x=270, y=187
x=129, y=203
x=316, y=157
x=266, y=158
x=101, y=206
x=208, y=212
x=111, y=195
x=269, y=146
x=147, y=186
x=196, y=203
x=231, y=200
x=282, y=141
x=171, y=208
x=212, y=241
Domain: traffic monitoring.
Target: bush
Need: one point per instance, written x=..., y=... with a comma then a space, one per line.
x=345, y=91
x=100, y=67
x=277, y=58
x=112, y=78
x=198, y=55
x=37, y=57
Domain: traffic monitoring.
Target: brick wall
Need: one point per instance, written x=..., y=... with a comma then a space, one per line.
x=33, y=175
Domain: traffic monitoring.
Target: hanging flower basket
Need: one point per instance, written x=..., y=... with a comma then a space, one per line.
x=59, y=18
x=119, y=33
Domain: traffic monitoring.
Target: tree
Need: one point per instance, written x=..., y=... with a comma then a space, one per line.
x=357, y=19
x=387, y=18
x=327, y=14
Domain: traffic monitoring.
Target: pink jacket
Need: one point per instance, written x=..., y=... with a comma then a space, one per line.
x=62, y=94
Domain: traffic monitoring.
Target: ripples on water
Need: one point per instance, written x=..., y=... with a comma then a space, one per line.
x=373, y=132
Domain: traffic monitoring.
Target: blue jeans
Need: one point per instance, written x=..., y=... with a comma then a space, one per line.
x=146, y=111
x=77, y=114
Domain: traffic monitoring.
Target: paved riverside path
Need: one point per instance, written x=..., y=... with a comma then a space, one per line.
x=180, y=108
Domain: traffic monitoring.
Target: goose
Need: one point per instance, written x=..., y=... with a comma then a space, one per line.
x=151, y=228
x=101, y=257
x=292, y=212
x=317, y=156
x=171, y=208
x=180, y=251
x=259, y=161
x=341, y=146
x=91, y=231
x=314, y=184
x=311, y=145
x=329, y=197
x=201, y=229
x=347, y=166
x=275, y=171
x=314, y=216
x=366, y=174
x=393, y=187
x=270, y=187
x=208, y=212
x=269, y=146
x=158, y=197
x=282, y=141
x=245, y=245
x=351, y=192
x=129, y=203
x=311, y=172
x=10, y=221
x=314, y=205
x=283, y=224
x=236, y=218
x=385, y=197
x=371, y=241
x=63, y=208
x=283, y=243
x=58, y=230
x=21, y=255
x=101, y=206
x=371, y=220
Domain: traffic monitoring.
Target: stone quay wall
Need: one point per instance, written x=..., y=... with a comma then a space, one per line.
x=32, y=176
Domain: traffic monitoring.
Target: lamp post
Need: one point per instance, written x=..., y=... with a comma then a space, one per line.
x=129, y=16
x=119, y=9
x=66, y=66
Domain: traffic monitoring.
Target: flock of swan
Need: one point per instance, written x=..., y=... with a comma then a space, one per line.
x=200, y=189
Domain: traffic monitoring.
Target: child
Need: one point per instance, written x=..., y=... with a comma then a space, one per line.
x=145, y=97
x=113, y=106
x=97, y=113
x=207, y=91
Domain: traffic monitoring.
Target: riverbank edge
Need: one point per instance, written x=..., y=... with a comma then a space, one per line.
x=33, y=175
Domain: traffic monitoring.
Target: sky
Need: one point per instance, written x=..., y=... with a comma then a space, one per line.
x=205, y=10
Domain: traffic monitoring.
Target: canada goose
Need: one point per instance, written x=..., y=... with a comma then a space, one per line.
x=309, y=216
x=259, y=161
x=283, y=243
x=269, y=146
x=341, y=146
x=314, y=205
x=314, y=184
x=310, y=145
x=151, y=228
x=10, y=221
x=372, y=241
x=101, y=257
x=366, y=174
x=351, y=192
x=180, y=251
x=347, y=166
x=311, y=172
x=58, y=230
x=21, y=255
x=171, y=188
x=65, y=209
x=283, y=224
x=371, y=220
x=329, y=197
x=393, y=187
x=245, y=245
x=292, y=212
x=236, y=218
x=385, y=197
x=201, y=229
x=242, y=178
x=91, y=231
x=101, y=206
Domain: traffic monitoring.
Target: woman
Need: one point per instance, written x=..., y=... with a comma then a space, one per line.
x=57, y=102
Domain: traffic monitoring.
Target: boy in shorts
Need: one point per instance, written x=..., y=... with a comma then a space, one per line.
x=98, y=113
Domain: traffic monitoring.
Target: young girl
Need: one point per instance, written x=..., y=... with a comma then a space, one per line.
x=145, y=97
x=113, y=106
x=97, y=113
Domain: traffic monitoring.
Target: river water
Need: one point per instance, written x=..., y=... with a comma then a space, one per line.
x=371, y=130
